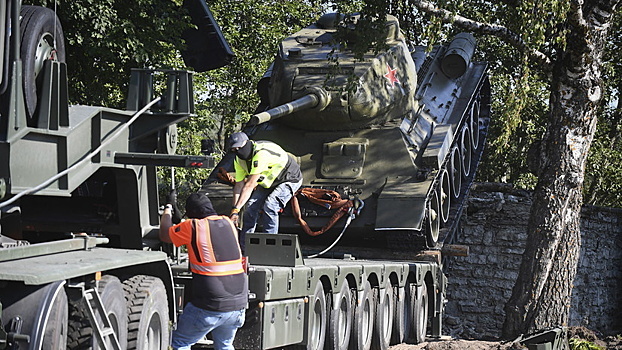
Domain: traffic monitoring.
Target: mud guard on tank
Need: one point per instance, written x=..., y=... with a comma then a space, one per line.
x=396, y=196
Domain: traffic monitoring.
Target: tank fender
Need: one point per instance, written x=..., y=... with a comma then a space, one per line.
x=397, y=195
x=438, y=147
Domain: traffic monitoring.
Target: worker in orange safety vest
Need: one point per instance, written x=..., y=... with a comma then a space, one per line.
x=219, y=282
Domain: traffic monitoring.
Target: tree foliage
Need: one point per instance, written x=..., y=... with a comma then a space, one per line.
x=104, y=39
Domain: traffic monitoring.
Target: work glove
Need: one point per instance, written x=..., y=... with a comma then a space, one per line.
x=171, y=199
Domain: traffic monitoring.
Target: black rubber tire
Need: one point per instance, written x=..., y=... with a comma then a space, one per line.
x=148, y=319
x=340, y=320
x=81, y=335
x=43, y=311
x=411, y=312
x=383, y=326
x=420, y=314
x=400, y=316
x=55, y=335
x=42, y=38
x=111, y=292
x=317, y=319
x=364, y=317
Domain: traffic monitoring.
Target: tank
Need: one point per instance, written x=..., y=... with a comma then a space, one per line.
x=397, y=135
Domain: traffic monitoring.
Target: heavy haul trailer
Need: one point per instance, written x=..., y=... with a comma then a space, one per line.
x=78, y=194
x=338, y=303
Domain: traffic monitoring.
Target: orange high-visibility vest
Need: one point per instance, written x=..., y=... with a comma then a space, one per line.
x=201, y=244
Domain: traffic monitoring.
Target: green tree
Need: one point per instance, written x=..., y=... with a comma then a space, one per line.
x=104, y=39
x=562, y=43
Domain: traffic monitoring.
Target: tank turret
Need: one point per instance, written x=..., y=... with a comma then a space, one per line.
x=360, y=92
x=397, y=132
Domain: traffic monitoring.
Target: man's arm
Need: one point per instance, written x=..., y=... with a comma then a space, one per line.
x=166, y=222
x=242, y=190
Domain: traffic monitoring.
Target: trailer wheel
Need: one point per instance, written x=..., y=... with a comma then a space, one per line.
x=55, y=335
x=81, y=335
x=147, y=305
x=42, y=39
x=420, y=314
x=317, y=319
x=111, y=292
x=340, y=321
x=43, y=311
x=364, y=316
x=384, y=318
x=400, y=316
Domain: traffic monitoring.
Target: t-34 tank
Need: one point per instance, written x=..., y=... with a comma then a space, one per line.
x=398, y=134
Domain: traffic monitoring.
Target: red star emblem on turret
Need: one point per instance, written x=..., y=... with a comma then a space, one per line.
x=391, y=76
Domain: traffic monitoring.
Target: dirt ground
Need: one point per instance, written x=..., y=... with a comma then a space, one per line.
x=605, y=343
x=457, y=345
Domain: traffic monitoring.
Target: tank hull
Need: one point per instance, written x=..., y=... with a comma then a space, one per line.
x=401, y=138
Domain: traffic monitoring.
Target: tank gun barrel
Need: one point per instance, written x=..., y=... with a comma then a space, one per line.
x=317, y=98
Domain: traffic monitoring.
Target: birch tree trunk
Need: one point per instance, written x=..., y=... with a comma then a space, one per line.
x=542, y=293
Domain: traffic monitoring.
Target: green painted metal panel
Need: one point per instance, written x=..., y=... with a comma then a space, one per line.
x=48, y=268
x=283, y=322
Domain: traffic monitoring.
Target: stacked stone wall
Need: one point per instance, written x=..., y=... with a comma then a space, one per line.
x=494, y=227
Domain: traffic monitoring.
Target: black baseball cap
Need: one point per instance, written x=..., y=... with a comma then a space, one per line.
x=237, y=139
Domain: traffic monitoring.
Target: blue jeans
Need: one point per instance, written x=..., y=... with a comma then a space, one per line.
x=194, y=323
x=271, y=201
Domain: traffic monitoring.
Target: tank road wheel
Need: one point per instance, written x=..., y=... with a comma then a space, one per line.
x=384, y=318
x=433, y=220
x=474, y=119
x=401, y=298
x=364, y=315
x=420, y=313
x=455, y=172
x=43, y=311
x=466, y=149
x=42, y=39
x=340, y=321
x=444, y=196
x=317, y=319
x=147, y=313
x=112, y=296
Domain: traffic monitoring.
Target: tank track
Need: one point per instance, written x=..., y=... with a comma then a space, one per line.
x=409, y=240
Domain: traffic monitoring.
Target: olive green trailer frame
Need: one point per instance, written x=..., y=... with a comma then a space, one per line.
x=284, y=290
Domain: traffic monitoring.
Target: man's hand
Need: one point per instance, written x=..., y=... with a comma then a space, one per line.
x=172, y=200
x=235, y=216
x=172, y=197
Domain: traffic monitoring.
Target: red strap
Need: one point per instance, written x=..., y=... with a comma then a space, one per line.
x=318, y=196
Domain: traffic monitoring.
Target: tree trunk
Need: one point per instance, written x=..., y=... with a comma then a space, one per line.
x=541, y=295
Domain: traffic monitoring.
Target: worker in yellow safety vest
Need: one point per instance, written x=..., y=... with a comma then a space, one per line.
x=266, y=179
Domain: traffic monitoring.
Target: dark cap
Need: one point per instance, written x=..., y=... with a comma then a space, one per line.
x=199, y=206
x=237, y=139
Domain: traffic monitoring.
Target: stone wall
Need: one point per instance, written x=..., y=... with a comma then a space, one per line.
x=494, y=227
